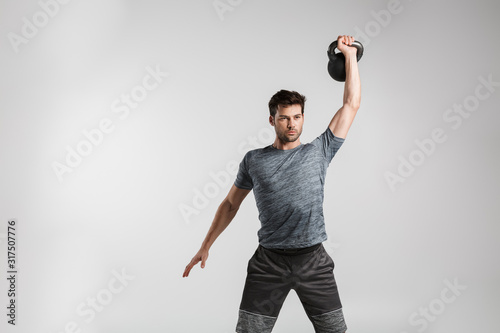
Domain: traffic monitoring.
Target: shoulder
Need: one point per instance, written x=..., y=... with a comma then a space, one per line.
x=327, y=144
x=256, y=154
x=327, y=138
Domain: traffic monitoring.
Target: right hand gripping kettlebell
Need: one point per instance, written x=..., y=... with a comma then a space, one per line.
x=336, y=65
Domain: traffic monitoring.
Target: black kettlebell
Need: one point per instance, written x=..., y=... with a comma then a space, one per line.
x=336, y=65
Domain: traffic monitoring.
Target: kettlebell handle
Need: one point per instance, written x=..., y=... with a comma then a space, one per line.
x=331, y=49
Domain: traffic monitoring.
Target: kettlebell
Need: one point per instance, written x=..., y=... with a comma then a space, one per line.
x=336, y=65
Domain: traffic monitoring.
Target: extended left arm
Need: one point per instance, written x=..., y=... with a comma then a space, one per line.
x=342, y=120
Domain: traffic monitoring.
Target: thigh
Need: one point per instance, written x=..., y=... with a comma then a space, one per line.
x=266, y=286
x=264, y=293
x=317, y=290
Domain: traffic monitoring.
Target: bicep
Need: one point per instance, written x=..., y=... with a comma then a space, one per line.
x=236, y=196
x=342, y=120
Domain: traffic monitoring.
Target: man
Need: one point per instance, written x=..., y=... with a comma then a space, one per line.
x=288, y=179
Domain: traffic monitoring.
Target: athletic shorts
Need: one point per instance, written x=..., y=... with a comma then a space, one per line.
x=272, y=273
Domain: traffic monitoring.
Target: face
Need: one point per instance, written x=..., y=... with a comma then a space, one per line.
x=288, y=122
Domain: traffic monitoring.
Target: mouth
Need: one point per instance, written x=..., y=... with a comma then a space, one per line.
x=291, y=132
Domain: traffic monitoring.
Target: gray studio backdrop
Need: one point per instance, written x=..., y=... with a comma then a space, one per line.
x=123, y=122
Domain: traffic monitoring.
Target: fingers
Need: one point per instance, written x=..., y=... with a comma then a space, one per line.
x=345, y=39
x=193, y=262
x=196, y=259
x=186, y=272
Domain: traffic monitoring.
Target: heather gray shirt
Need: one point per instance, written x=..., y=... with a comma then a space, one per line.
x=288, y=187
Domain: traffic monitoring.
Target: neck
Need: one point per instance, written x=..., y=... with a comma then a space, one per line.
x=278, y=144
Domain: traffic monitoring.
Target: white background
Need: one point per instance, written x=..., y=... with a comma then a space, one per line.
x=120, y=208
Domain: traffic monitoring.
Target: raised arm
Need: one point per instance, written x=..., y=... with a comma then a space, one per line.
x=342, y=120
x=224, y=215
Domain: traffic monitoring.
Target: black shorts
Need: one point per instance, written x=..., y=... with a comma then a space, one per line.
x=271, y=275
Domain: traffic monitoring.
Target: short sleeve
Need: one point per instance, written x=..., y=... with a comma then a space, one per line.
x=328, y=144
x=243, y=179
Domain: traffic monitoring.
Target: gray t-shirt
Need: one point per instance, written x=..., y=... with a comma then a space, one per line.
x=288, y=187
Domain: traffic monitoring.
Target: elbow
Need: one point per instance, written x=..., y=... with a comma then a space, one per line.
x=229, y=206
x=352, y=105
x=352, y=101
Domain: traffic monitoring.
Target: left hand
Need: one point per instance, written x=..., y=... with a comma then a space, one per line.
x=344, y=45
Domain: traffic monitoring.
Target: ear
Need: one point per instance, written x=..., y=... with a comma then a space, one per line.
x=271, y=120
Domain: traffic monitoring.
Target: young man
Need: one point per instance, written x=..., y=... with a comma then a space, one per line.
x=288, y=179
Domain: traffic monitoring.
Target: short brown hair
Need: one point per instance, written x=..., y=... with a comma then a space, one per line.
x=285, y=97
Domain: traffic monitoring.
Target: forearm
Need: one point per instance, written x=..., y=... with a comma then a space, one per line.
x=352, y=88
x=343, y=118
x=224, y=215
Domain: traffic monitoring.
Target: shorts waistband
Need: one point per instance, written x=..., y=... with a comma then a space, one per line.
x=293, y=252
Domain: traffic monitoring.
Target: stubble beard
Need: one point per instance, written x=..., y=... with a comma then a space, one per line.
x=289, y=138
